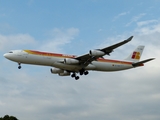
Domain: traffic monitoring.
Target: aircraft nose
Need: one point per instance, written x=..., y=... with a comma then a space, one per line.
x=6, y=55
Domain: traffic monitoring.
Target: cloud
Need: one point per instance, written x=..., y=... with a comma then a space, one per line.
x=12, y=41
x=125, y=95
x=99, y=95
x=120, y=15
x=148, y=22
x=136, y=18
x=149, y=34
x=58, y=38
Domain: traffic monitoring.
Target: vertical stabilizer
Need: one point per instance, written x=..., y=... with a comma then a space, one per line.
x=136, y=54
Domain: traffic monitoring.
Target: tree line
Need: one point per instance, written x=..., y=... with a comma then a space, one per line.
x=7, y=117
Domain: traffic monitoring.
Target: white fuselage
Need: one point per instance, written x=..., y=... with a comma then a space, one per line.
x=57, y=61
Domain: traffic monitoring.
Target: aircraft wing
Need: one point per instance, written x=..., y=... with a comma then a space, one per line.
x=88, y=58
x=109, y=49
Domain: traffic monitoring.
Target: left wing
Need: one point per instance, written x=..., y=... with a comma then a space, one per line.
x=86, y=59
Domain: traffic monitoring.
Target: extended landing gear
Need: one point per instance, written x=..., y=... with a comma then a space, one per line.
x=86, y=73
x=81, y=72
x=19, y=66
x=75, y=76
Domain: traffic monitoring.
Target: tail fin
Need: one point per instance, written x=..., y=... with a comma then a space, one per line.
x=136, y=54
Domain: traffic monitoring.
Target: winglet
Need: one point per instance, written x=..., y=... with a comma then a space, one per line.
x=129, y=39
x=141, y=62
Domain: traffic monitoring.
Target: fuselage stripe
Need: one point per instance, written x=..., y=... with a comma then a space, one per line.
x=33, y=52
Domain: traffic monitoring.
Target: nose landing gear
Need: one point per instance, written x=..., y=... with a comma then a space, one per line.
x=19, y=66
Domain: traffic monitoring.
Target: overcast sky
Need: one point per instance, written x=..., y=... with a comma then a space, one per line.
x=75, y=27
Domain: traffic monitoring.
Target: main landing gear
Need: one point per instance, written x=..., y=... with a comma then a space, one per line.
x=81, y=72
x=75, y=76
x=19, y=66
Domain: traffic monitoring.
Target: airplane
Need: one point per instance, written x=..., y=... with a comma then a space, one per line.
x=71, y=65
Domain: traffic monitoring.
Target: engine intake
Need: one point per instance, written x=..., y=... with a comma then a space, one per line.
x=96, y=53
x=71, y=61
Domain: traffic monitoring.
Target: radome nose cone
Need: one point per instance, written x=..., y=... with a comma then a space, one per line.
x=5, y=55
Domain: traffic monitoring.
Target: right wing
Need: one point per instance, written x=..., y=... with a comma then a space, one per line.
x=86, y=59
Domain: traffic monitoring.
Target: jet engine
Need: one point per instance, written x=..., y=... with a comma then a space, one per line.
x=65, y=73
x=71, y=61
x=56, y=70
x=96, y=53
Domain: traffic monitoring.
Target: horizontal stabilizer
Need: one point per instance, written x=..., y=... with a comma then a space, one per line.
x=141, y=62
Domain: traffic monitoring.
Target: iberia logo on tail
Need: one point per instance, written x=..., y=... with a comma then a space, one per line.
x=136, y=55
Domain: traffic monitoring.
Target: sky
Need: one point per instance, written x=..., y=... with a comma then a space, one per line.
x=75, y=27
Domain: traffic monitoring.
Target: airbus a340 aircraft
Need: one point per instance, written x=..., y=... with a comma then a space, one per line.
x=65, y=65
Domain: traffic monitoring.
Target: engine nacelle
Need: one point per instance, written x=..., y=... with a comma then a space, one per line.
x=96, y=53
x=56, y=70
x=65, y=73
x=71, y=61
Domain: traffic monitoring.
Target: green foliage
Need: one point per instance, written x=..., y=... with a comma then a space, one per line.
x=7, y=117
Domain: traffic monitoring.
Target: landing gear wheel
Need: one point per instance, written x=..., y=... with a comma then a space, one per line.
x=19, y=67
x=86, y=72
x=73, y=75
x=77, y=77
x=81, y=73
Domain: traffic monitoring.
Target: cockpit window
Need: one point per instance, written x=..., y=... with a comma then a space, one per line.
x=10, y=52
